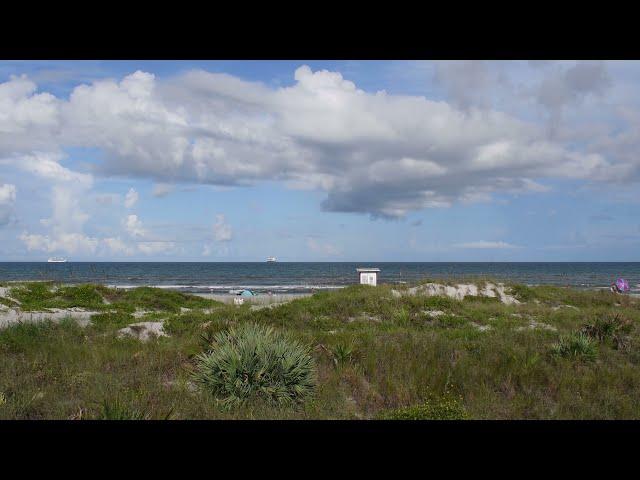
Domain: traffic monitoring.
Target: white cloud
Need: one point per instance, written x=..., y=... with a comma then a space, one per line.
x=131, y=198
x=134, y=226
x=68, y=190
x=62, y=242
x=28, y=120
x=374, y=153
x=485, y=245
x=46, y=165
x=222, y=231
x=7, y=194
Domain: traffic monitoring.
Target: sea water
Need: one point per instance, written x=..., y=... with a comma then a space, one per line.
x=303, y=277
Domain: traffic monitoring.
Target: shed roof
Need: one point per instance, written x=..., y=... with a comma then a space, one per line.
x=367, y=269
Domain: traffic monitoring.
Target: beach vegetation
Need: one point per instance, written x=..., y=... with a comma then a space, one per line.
x=575, y=345
x=445, y=407
x=255, y=362
x=343, y=354
x=613, y=328
x=559, y=354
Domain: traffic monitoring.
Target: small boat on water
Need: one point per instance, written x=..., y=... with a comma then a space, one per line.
x=271, y=259
x=57, y=260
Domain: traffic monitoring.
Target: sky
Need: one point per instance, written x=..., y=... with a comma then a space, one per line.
x=320, y=160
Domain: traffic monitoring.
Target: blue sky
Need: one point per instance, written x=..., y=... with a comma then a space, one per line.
x=319, y=160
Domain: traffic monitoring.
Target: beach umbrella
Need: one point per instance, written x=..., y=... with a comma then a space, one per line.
x=622, y=285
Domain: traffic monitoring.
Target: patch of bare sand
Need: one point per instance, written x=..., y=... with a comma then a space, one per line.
x=460, y=291
x=143, y=331
x=12, y=316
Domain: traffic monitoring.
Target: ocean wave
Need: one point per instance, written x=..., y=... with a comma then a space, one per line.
x=230, y=287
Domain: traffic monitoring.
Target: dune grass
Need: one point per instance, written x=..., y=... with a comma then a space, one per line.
x=42, y=296
x=377, y=356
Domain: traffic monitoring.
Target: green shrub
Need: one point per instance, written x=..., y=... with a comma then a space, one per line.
x=402, y=316
x=575, y=345
x=33, y=295
x=112, y=320
x=342, y=354
x=446, y=407
x=523, y=293
x=254, y=362
x=150, y=298
x=86, y=296
x=611, y=328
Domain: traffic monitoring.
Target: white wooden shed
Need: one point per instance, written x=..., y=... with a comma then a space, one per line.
x=368, y=276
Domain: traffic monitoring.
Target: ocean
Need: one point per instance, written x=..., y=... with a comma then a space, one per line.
x=303, y=277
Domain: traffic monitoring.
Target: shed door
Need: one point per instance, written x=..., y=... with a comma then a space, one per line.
x=368, y=278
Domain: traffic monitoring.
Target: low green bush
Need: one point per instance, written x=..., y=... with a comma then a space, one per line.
x=523, y=293
x=255, y=362
x=86, y=296
x=575, y=345
x=112, y=320
x=611, y=328
x=33, y=295
x=343, y=354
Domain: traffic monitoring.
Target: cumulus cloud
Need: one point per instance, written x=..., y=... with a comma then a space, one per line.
x=60, y=242
x=134, y=226
x=67, y=191
x=482, y=244
x=28, y=120
x=373, y=153
x=131, y=198
x=46, y=165
x=222, y=231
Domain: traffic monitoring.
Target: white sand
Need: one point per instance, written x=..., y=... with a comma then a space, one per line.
x=143, y=331
x=11, y=316
x=459, y=291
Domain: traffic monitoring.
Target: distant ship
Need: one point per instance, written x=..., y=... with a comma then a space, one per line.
x=57, y=260
x=271, y=259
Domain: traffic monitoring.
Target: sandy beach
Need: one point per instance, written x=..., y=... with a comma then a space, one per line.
x=260, y=299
